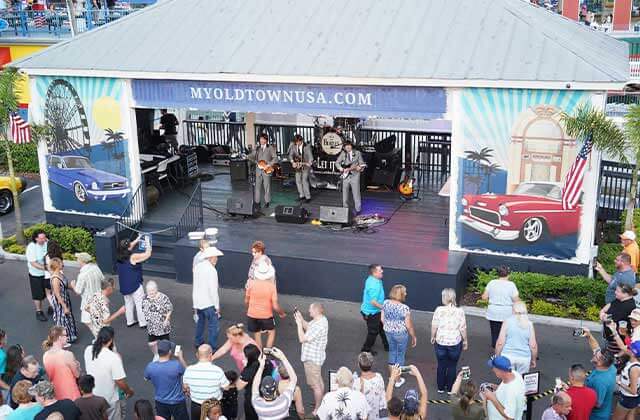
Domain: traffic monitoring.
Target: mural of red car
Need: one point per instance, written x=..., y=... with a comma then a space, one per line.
x=532, y=212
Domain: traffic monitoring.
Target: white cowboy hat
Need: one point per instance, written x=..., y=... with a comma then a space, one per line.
x=628, y=234
x=264, y=271
x=212, y=251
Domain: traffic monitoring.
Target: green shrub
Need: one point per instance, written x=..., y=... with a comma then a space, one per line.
x=16, y=249
x=71, y=239
x=25, y=157
x=561, y=296
x=611, y=231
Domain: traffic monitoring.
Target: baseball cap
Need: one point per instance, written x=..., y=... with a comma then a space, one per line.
x=635, y=348
x=635, y=314
x=628, y=234
x=500, y=362
x=165, y=347
x=268, y=388
x=42, y=389
x=411, y=402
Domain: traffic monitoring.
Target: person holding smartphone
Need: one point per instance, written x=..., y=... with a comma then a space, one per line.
x=464, y=405
x=166, y=376
x=616, y=312
x=129, y=267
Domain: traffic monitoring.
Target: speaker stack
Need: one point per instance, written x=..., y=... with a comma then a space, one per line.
x=241, y=206
x=291, y=214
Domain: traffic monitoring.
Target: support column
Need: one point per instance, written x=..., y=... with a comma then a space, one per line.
x=622, y=15
x=250, y=128
x=571, y=9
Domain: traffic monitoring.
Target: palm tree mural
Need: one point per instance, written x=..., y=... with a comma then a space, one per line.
x=111, y=145
x=483, y=168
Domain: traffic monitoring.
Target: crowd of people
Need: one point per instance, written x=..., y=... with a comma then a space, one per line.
x=96, y=387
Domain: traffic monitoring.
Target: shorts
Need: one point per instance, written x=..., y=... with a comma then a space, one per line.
x=85, y=317
x=313, y=373
x=258, y=325
x=153, y=338
x=629, y=402
x=37, y=287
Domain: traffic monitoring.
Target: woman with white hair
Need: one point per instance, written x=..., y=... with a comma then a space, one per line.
x=517, y=340
x=157, y=309
x=344, y=402
x=449, y=338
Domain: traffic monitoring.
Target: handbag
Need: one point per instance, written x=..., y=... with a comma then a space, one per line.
x=383, y=412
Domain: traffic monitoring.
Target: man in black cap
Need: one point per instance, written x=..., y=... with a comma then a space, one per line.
x=166, y=376
x=266, y=401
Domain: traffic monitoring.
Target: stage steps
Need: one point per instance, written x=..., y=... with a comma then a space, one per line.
x=162, y=260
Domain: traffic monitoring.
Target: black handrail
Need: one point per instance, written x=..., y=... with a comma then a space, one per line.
x=192, y=218
x=133, y=214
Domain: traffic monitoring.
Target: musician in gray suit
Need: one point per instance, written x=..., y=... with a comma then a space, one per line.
x=300, y=155
x=263, y=179
x=350, y=163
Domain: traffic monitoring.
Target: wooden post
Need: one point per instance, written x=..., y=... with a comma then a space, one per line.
x=571, y=9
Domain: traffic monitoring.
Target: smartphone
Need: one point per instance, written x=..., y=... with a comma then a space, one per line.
x=405, y=369
x=142, y=245
x=558, y=384
x=466, y=373
x=266, y=351
x=595, y=262
x=622, y=324
x=578, y=332
x=178, y=349
x=609, y=319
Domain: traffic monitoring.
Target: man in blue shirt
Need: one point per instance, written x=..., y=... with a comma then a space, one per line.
x=166, y=377
x=602, y=379
x=624, y=275
x=372, y=299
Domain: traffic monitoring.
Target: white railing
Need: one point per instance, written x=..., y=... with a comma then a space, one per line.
x=634, y=69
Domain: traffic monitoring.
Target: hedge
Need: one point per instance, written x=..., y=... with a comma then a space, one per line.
x=71, y=239
x=25, y=157
x=563, y=296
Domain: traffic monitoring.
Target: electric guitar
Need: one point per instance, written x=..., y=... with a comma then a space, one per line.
x=298, y=164
x=407, y=187
x=354, y=167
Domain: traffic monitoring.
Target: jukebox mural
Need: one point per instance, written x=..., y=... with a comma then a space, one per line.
x=85, y=166
x=513, y=171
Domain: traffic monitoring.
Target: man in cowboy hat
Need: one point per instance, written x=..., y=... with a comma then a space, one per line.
x=261, y=299
x=628, y=240
x=88, y=283
x=206, y=301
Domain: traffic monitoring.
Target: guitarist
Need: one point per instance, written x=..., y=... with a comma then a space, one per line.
x=350, y=162
x=301, y=156
x=264, y=152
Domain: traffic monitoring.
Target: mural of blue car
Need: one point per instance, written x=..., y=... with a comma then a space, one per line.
x=76, y=174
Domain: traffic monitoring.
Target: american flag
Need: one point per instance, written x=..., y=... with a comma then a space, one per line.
x=573, y=182
x=20, y=130
x=39, y=21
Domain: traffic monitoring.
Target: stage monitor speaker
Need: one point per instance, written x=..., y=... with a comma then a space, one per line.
x=329, y=214
x=239, y=169
x=291, y=214
x=241, y=205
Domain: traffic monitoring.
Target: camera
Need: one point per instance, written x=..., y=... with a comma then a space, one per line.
x=405, y=369
x=578, y=332
x=466, y=373
x=267, y=351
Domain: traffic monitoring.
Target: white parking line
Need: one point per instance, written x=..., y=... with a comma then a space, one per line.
x=30, y=189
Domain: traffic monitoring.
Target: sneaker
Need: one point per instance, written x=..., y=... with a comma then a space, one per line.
x=307, y=200
x=450, y=393
x=40, y=316
x=50, y=311
x=266, y=206
x=400, y=382
x=440, y=391
x=300, y=199
x=131, y=325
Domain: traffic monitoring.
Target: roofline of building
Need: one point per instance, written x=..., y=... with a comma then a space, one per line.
x=327, y=80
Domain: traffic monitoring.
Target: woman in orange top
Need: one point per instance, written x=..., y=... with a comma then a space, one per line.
x=61, y=365
x=261, y=299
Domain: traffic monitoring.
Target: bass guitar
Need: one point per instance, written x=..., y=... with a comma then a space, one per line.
x=299, y=165
x=354, y=167
x=265, y=167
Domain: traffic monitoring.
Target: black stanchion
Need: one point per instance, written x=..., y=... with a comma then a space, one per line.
x=529, y=407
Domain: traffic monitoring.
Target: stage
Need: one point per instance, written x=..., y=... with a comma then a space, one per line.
x=324, y=261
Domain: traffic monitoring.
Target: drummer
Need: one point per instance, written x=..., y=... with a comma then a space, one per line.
x=264, y=156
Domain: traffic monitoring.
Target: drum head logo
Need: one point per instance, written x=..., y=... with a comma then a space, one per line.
x=331, y=143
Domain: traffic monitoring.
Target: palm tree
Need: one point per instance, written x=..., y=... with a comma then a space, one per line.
x=8, y=104
x=490, y=170
x=632, y=131
x=590, y=123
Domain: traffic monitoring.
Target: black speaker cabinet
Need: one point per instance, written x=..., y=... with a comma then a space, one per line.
x=241, y=205
x=239, y=170
x=291, y=214
x=330, y=214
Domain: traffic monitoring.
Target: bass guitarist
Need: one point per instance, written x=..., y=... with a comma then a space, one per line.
x=264, y=156
x=301, y=157
x=350, y=163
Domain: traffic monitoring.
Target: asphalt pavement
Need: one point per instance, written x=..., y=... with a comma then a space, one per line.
x=31, y=205
x=558, y=348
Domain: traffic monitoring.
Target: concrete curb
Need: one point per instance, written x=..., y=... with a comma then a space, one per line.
x=542, y=319
x=19, y=257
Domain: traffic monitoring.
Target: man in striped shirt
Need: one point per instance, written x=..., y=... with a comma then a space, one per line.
x=264, y=395
x=203, y=380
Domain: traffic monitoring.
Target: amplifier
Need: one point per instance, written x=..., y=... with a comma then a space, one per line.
x=330, y=214
x=239, y=169
x=291, y=214
x=241, y=205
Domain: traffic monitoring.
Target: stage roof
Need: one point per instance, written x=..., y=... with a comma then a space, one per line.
x=409, y=42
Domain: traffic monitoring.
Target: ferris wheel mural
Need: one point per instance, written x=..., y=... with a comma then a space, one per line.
x=65, y=113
